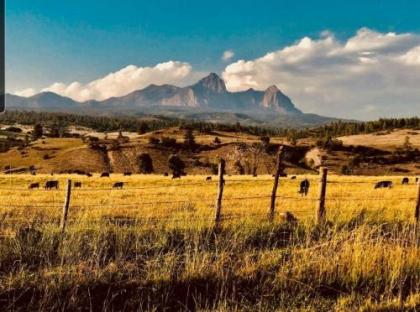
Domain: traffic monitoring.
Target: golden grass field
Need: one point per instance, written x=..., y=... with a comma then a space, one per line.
x=387, y=141
x=152, y=246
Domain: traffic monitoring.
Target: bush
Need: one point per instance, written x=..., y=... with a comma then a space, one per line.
x=214, y=169
x=346, y=170
x=239, y=168
x=14, y=129
x=154, y=141
x=168, y=142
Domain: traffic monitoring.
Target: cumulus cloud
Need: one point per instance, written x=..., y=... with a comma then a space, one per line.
x=228, y=55
x=26, y=92
x=126, y=80
x=372, y=74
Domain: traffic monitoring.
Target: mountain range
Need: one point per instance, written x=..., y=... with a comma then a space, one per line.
x=207, y=100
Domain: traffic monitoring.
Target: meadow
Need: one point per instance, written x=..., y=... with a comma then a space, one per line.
x=153, y=245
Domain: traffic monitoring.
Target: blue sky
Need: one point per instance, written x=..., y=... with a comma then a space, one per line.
x=53, y=41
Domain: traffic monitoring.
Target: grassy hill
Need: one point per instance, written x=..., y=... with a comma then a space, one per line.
x=376, y=153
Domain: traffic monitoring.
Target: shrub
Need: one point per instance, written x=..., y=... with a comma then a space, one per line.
x=168, y=142
x=154, y=141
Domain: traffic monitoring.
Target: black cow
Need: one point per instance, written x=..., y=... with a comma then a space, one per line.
x=105, y=175
x=304, y=187
x=34, y=186
x=127, y=173
x=118, y=185
x=51, y=184
x=405, y=180
x=89, y=175
x=176, y=176
x=166, y=174
x=383, y=184
x=77, y=184
x=208, y=179
x=293, y=178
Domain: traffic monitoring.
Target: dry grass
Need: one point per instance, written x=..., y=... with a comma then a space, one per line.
x=152, y=246
x=386, y=141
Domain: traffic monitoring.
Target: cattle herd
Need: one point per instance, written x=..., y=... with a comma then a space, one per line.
x=303, y=186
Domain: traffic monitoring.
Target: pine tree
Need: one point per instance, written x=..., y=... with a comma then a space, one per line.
x=145, y=163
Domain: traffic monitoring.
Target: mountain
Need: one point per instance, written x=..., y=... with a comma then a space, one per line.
x=203, y=100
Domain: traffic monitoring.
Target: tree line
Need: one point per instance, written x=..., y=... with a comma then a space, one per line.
x=57, y=123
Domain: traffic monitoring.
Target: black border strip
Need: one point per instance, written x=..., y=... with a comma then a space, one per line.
x=2, y=57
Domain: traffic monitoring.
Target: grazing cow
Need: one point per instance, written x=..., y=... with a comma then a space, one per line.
x=166, y=174
x=34, y=186
x=304, y=187
x=405, y=180
x=208, y=179
x=176, y=176
x=283, y=174
x=293, y=178
x=127, y=174
x=383, y=184
x=105, y=175
x=51, y=184
x=89, y=175
x=77, y=184
x=118, y=185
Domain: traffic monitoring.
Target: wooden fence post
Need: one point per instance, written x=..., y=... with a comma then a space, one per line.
x=276, y=183
x=66, y=207
x=220, y=190
x=417, y=211
x=320, y=209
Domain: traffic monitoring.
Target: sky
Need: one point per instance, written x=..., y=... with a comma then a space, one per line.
x=358, y=59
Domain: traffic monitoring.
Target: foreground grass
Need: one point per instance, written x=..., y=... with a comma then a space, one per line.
x=171, y=257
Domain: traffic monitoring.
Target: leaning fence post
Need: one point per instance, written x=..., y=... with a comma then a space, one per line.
x=66, y=207
x=417, y=211
x=320, y=209
x=220, y=190
x=276, y=183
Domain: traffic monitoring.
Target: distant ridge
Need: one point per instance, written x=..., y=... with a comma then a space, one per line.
x=200, y=100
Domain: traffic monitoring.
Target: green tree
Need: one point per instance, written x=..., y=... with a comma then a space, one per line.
x=37, y=132
x=189, y=139
x=176, y=165
x=145, y=163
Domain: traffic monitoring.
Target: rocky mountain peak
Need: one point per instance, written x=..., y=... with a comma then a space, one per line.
x=274, y=99
x=212, y=83
x=272, y=89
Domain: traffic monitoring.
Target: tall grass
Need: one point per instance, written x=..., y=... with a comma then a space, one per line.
x=171, y=257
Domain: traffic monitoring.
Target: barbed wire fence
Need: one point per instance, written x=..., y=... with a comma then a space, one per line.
x=319, y=208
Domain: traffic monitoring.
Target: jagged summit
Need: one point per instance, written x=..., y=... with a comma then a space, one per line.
x=272, y=89
x=207, y=95
x=213, y=83
x=276, y=100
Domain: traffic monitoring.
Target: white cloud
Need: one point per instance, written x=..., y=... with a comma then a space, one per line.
x=228, y=55
x=126, y=80
x=347, y=79
x=412, y=57
x=25, y=93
